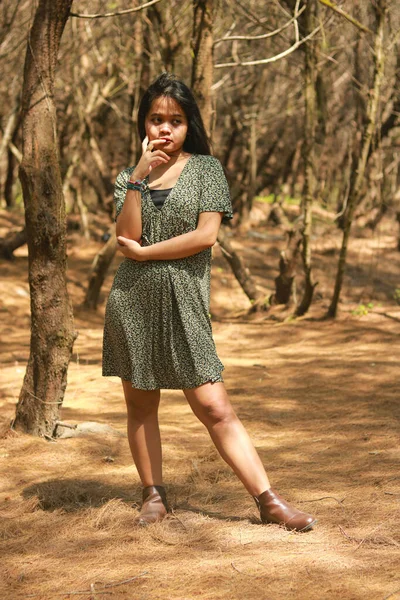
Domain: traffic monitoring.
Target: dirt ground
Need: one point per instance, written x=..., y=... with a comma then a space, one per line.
x=319, y=398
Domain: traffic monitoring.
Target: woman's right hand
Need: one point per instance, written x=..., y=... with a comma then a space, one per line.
x=152, y=156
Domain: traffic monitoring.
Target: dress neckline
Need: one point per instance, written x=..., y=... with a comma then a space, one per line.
x=158, y=190
x=171, y=193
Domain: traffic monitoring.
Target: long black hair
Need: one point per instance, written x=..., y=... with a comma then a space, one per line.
x=168, y=85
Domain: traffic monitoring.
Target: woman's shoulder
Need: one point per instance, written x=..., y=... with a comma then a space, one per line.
x=208, y=159
x=209, y=165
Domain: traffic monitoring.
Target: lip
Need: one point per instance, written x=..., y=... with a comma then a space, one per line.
x=167, y=140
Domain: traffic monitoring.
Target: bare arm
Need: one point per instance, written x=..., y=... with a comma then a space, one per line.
x=129, y=221
x=181, y=246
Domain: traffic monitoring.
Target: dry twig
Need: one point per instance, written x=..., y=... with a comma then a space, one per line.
x=178, y=519
x=324, y=498
x=387, y=315
x=346, y=15
x=114, y=14
x=346, y=535
x=366, y=538
x=125, y=581
x=62, y=424
x=71, y=594
x=236, y=569
x=263, y=36
x=92, y=590
x=265, y=61
x=391, y=594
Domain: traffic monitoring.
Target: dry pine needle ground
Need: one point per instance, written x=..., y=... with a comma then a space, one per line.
x=320, y=400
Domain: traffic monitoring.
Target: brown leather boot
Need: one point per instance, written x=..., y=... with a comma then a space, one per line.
x=154, y=507
x=274, y=509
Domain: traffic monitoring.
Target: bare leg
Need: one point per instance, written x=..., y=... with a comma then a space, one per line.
x=210, y=403
x=144, y=433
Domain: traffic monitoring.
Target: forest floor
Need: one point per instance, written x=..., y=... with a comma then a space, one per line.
x=320, y=399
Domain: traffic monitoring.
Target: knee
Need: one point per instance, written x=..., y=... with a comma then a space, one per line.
x=140, y=411
x=141, y=406
x=217, y=413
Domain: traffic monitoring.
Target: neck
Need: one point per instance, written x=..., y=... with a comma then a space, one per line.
x=178, y=154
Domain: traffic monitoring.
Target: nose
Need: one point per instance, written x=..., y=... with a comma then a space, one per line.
x=165, y=128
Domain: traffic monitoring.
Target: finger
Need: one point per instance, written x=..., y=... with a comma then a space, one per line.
x=145, y=144
x=159, y=154
x=156, y=143
x=156, y=164
x=160, y=141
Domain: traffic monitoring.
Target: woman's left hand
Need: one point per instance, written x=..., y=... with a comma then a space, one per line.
x=130, y=248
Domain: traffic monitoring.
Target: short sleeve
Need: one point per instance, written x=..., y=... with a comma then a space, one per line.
x=120, y=188
x=215, y=196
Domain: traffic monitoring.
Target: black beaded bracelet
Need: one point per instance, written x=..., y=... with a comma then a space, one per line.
x=136, y=187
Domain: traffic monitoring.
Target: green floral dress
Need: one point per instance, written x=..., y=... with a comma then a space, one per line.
x=157, y=331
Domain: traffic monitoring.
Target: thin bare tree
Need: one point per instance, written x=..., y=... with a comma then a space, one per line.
x=368, y=133
x=309, y=21
x=202, y=66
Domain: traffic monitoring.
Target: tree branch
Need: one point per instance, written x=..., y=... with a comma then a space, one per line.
x=346, y=15
x=263, y=36
x=15, y=151
x=114, y=14
x=265, y=61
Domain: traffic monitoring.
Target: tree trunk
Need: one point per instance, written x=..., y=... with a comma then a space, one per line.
x=11, y=242
x=239, y=269
x=202, y=75
x=392, y=120
x=284, y=283
x=202, y=67
x=82, y=210
x=10, y=134
x=309, y=19
x=371, y=117
x=251, y=188
x=278, y=217
x=373, y=218
x=100, y=266
x=161, y=23
x=52, y=331
x=87, y=114
x=11, y=126
x=10, y=179
x=138, y=83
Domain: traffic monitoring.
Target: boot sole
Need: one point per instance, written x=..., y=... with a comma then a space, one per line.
x=306, y=528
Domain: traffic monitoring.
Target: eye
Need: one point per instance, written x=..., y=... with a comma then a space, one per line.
x=177, y=121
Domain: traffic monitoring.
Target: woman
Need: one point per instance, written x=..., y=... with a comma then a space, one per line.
x=157, y=332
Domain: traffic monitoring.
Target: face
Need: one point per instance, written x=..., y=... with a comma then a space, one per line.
x=166, y=120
